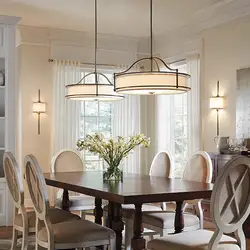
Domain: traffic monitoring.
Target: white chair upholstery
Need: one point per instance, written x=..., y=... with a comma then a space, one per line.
x=68, y=160
x=162, y=165
x=24, y=221
x=64, y=235
x=230, y=207
x=198, y=168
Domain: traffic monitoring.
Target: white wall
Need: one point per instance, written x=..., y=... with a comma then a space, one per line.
x=223, y=50
x=226, y=49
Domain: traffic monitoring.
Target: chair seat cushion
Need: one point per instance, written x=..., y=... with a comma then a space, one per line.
x=165, y=220
x=197, y=240
x=56, y=215
x=128, y=210
x=77, y=231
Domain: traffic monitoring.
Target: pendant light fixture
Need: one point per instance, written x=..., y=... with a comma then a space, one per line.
x=151, y=75
x=101, y=90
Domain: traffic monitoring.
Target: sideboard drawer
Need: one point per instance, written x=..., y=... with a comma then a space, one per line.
x=206, y=210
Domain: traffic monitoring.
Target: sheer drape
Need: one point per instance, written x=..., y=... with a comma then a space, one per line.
x=178, y=128
x=194, y=115
x=66, y=113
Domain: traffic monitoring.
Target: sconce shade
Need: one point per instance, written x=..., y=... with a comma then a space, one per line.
x=39, y=107
x=217, y=102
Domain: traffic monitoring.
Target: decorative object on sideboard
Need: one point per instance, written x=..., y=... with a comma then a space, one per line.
x=2, y=77
x=217, y=103
x=39, y=108
x=151, y=75
x=93, y=86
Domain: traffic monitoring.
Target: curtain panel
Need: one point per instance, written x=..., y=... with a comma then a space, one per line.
x=67, y=113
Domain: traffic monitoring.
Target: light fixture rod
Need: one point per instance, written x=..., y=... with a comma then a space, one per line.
x=151, y=34
x=39, y=96
x=218, y=88
x=218, y=117
x=96, y=41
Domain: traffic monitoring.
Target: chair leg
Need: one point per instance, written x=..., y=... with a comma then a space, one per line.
x=112, y=244
x=129, y=225
x=82, y=215
x=25, y=240
x=14, y=239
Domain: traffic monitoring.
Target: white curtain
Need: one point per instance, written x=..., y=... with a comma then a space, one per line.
x=194, y=115
x=126, y=122
x=66, y=113
x=180, y=136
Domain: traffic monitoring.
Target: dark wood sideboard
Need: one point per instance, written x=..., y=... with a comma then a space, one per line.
x=219, y=161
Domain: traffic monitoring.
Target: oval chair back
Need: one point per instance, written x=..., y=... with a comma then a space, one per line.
x=199, y=168
x=13, y=178
x=67, y=160
x=36, y=186
x=162, y=165
x=230, y=201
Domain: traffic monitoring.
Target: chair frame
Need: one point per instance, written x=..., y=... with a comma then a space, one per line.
x=18, y=203
x=129, y=222
x=218, y=209
x=196, y=204
x=86, y=208
x=42, y=212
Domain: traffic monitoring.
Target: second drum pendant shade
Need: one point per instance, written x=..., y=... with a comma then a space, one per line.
x=101, y=90
x=151, y=75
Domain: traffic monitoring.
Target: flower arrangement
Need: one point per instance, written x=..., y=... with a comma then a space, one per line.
x=112, y=150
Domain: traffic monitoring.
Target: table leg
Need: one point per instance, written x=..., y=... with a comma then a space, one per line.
x=115, y=222
x=98, y=212
x=138, y=242
x=65, y=200
x=179, y=220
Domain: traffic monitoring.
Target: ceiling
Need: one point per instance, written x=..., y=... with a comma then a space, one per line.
x=125, y=17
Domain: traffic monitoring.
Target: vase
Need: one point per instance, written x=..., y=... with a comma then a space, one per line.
x=113, y=173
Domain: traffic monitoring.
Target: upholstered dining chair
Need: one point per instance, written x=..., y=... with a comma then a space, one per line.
x=162, y=165
x=230, y=207
x=68, y=160
x=64, y=235
x=24, y=221
x=199, y=169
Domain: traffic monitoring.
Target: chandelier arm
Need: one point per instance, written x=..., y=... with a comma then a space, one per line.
x=157, y=58
x=95, y=73
x=125, y=71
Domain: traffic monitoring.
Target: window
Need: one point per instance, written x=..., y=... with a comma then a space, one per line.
x=96, y=117
x=173, y=126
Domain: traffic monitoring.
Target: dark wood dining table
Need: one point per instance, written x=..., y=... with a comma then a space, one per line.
x=135, y=189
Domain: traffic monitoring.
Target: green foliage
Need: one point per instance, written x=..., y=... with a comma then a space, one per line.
x=112, y=150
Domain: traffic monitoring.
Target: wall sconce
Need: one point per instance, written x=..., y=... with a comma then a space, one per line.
x=217, y=103
x=39, y=108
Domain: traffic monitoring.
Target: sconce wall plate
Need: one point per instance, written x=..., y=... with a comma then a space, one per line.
x=217, y=103
x=39, y=108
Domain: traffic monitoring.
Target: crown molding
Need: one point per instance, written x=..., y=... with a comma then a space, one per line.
x=56, y=37
x=9, y=20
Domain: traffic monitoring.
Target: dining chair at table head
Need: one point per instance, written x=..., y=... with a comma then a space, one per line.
x=69, y=234
x=162, y=165
x=69, y=160
x=230, y=207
